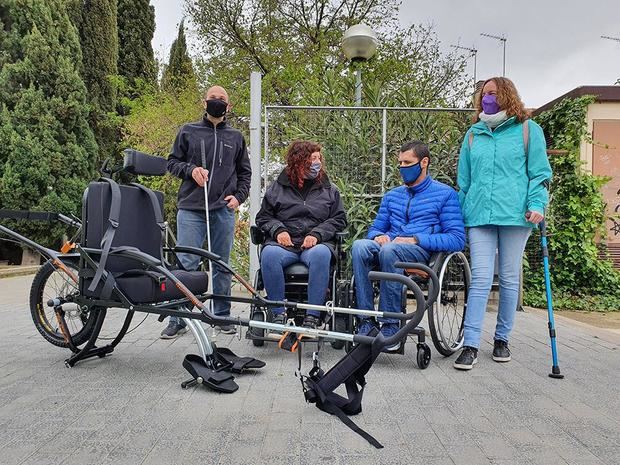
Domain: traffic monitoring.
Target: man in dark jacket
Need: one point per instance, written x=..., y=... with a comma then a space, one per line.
x=414, y=220
x=209, y=151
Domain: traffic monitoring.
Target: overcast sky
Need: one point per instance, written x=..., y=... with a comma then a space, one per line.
x=553, y=46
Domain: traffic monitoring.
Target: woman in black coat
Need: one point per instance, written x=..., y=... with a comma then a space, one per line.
x=300, y=214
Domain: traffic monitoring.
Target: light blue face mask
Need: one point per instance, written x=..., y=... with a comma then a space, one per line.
x=315, y=169
x=410, y=173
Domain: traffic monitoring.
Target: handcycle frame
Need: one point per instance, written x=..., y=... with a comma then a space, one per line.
x=183, y=308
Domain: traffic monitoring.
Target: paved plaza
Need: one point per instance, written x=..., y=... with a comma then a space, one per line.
x=130, y=409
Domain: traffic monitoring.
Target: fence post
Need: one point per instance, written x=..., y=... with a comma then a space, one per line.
x=255, y=159
x=383, y=150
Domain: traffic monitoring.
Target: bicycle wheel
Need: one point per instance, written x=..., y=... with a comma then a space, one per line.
x=50, y=283
x=447, y=315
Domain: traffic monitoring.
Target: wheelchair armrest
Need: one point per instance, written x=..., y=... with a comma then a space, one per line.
x=196, y=251
x=257, y=235
x=424, y=271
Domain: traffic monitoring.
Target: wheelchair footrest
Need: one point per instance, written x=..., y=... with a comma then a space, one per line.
x=235, y=363
x=216, y=379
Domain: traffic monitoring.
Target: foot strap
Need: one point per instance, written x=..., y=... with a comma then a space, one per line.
x=289, y=341
x=217, y=379
x=235, y=363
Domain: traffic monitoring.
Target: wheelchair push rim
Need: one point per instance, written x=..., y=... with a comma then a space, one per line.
x=447, y=315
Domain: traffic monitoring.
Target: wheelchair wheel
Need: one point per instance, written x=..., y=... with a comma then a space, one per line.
x=49, y=283
x=423, y=357
x=341, y=324
x=447, y=315
x=257, y=315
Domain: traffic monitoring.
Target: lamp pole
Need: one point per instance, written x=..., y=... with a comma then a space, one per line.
x=473, y=53
x=359, y=43
x=502, y=39
x=358, y=87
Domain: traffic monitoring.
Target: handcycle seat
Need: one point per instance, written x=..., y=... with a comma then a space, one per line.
x=137, y=228
x=153, y=287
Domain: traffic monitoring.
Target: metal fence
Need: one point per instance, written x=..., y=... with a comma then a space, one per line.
x=360, y=144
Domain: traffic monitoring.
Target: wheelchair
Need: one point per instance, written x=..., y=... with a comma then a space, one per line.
x=446, y=313
x=296, y=290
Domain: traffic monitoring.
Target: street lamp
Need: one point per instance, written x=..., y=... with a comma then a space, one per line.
x=359, y=43
x=501, y=39
x=473, y=53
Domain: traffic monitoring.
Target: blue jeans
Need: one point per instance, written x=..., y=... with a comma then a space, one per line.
x=273, y=260
x=367, y=256
x=510, y=242
x=192, y=232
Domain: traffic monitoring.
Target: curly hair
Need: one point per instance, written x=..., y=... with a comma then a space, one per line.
x=298, y=161
x=507, y=97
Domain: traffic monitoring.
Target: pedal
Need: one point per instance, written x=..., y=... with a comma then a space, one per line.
x=289, y=341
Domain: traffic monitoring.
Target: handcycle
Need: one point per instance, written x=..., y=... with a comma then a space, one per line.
x=119, y=262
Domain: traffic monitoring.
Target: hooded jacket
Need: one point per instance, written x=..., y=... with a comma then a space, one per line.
x=429, y=211
x=226, y=158
x=498, y=180
x=320, y=213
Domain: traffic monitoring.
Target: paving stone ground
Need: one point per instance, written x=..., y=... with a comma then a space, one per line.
x=130, y=409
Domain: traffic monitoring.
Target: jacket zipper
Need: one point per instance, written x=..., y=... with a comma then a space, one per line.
x=215, y=145
x=408, y=203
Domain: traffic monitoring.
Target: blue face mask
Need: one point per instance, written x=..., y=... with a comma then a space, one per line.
x=410, y=173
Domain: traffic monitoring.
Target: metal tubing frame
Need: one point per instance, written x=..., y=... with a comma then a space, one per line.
x=151, y=263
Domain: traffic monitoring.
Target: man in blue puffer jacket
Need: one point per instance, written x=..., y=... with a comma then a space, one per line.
x=414, y=220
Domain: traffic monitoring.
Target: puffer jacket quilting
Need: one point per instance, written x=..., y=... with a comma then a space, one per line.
x=429, y=211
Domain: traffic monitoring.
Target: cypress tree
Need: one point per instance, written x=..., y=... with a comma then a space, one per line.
x=136, y=26
x=47, y=148
x=99, y=39
x=179, y=73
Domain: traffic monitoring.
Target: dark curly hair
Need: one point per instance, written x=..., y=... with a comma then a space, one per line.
x=298, y=161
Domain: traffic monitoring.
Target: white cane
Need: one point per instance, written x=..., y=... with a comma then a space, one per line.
x=206, y=192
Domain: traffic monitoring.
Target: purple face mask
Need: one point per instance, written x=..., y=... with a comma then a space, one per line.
x=489, y=104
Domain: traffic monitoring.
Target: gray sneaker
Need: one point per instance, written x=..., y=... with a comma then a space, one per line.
x=226, y=329
x=173, y=330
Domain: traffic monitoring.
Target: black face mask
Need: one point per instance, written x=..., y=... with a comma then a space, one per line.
x=216, y=107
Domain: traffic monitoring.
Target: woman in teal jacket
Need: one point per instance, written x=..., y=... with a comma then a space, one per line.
x=502, y=175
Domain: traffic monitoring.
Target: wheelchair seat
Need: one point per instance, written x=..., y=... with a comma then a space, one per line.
x=296, y=271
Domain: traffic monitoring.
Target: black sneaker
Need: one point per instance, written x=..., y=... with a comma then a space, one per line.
x=501, y=352
x=311, y=322
x=226, y=329
x=173, y=330
x=467, y=359
x=278, y=319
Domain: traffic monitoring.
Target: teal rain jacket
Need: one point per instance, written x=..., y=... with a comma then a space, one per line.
x=498, y=180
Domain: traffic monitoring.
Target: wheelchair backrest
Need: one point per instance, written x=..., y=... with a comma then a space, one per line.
x=137, y=225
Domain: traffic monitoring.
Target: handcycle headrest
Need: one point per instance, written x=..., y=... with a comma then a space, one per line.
x=140, y=163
